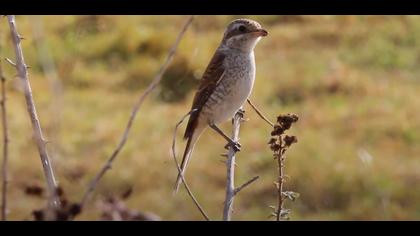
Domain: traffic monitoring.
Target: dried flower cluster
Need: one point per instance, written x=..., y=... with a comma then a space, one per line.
x=279, y=143
x=112, y=208
x=66, y=211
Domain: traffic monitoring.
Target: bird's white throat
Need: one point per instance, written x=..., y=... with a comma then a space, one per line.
x=245, y=43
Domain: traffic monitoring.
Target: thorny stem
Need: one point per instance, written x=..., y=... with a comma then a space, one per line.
x=230, y=167
x=280, y=166
x=21, y=67
x=136, y=108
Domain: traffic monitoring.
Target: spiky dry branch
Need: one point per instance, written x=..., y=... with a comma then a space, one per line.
x=53, y=200
x=230, y=168
x=231, y=191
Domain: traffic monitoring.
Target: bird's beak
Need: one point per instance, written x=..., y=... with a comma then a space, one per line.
x=261, y=32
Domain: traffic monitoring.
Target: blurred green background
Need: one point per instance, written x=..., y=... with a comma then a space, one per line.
x=353, y=80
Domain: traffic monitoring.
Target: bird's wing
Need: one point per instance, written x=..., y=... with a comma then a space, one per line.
x=211, y=77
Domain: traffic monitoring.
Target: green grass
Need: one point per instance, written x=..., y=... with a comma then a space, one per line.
x=353, y=80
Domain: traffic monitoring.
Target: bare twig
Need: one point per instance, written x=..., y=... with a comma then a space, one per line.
x=10, y=61
x=280, y=166
x=230, y=166
x=179, y=169
x=136, y=108
x=36, y=126
x=5, y=145
x=238, y=189
x=259, y=113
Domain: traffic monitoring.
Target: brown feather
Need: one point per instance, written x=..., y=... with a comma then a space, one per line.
x=211, y=77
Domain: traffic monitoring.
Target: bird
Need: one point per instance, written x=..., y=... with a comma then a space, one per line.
x=225, y=85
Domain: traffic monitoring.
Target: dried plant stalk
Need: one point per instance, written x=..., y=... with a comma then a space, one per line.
x=259, y=113
x=279, y=143
x=280, y=166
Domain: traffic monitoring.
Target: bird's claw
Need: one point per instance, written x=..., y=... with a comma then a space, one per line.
x=241, y=113
x=235, y=145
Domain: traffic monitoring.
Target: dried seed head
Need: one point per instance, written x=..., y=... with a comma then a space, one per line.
x=34, y=190
x=286, y=121
x=38, y=215
x=272, y=141
x=127, y=193
x=75, y=209
x=288, y=118
x=275, y=147
x=289, y=140
x=278, y=130
x=60, y=191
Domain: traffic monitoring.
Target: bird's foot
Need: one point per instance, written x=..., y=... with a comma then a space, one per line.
x=241, y=112
x=235, y=145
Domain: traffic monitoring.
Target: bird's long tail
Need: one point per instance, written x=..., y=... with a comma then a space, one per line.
x=191, y=141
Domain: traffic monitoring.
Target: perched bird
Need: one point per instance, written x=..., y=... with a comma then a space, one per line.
x=225, y=86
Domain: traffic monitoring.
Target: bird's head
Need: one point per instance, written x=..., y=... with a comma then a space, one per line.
x=243, y=34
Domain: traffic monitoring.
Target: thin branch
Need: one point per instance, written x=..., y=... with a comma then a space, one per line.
x=36, y=126
x=259, y=113
x=280, y=166
x=5, y=145
x=230, y=166
x=179, y=169
x=238, y=189
x=136, y=108
x=10, y=62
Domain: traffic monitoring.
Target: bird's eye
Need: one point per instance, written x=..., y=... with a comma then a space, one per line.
x=242, y=28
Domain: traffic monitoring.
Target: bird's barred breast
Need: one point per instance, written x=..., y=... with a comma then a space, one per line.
x=233, y=90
